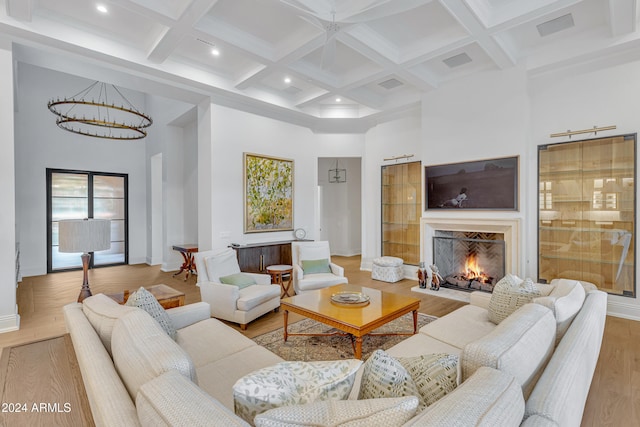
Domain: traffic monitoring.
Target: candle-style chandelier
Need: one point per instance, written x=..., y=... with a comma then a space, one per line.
x=100, y=111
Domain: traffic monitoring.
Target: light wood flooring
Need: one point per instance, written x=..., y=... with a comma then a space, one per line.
x=36, y=372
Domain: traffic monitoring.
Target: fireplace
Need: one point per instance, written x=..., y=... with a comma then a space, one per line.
x=469, y=260
x=502, y=252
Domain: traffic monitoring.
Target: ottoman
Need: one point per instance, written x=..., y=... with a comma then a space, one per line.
x=387, y=269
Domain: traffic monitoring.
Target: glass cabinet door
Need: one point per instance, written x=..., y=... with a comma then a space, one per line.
x=401, y=211
x=586, y=212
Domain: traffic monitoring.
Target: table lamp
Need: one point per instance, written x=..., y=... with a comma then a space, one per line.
x=84, y=235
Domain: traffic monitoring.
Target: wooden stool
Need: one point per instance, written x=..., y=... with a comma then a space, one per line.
x=278, y=273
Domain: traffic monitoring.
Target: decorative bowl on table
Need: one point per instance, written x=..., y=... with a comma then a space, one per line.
x=351, y=299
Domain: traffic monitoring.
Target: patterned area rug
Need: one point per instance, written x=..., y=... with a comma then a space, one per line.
x=336, y=346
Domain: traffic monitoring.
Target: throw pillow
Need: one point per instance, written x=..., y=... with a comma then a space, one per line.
x=565, y=301
x=347, y=413
x=428, y=377
x=314, y=266
x=143, y=299
x=241, y=280
x=509, y=294
x=435, y=375
x=293, y=383
x=384, y=376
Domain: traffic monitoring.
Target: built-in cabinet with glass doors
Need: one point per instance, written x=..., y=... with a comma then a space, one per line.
x=587, y=212
x=401, y=211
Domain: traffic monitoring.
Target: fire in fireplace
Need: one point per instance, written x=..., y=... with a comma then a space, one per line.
x=470, y=260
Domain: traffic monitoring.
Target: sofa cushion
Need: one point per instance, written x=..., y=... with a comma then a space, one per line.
x=224, y=263
x=218, y=377
x=313, y=250
x=292, y=383
x=520, y=345
x=509, y=294
x=172, y=400
x=241, y=280
x=145, y=300
x=489, y=398
x=252, y=296
x=102, y=312
x=320, y=281
x=561, y=392
x=201, y=341
x=564, y=301
x=143, y=351
x=390, y=412
x=460, y=327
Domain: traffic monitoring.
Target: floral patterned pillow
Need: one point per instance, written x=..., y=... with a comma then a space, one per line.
x=293, y=383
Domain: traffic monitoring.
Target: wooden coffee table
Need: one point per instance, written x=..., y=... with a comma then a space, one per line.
x=358, y=321
x=166, y=296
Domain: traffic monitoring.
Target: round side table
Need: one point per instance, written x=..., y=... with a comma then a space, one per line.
x=278, y=274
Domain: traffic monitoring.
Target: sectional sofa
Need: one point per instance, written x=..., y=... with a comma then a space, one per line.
x=519, y=372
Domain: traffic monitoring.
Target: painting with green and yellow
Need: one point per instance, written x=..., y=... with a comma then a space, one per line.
x=268, y=193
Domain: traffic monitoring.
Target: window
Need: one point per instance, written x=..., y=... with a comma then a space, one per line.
x=80, y=194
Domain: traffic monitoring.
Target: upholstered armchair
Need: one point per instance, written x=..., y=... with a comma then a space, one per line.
x=244, y=296
x=312, y=267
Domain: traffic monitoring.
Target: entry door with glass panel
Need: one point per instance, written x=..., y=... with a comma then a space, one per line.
x=79, y=194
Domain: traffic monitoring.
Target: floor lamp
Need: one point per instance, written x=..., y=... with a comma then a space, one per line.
x=84, y=235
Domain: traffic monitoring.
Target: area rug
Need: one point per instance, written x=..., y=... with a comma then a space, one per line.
x=334, y=347
x=445, y=293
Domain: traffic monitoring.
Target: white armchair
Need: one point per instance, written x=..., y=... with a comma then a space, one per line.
x=312, y=251
x=230, y=302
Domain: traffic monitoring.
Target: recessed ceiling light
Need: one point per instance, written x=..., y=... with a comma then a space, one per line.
x=287, y=80
x=102, y=8
x=338, y=99
x=215, y=51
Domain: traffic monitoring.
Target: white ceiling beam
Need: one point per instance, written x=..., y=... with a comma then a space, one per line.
x=623, y=16
x=258, y=49
x=458, y=9
x=420, y=77
x=21, y=10
x=169, y=40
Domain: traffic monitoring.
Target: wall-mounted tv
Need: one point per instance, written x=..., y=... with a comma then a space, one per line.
x=490, y=184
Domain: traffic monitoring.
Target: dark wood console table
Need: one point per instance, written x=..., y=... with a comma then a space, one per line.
x=186, y=250
x=256, y=257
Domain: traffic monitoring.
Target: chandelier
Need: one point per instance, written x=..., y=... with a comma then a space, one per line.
x=100, y=111
x=337, y=176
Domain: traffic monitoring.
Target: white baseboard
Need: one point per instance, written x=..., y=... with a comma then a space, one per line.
x=9, y=323
x=623, y=310
x=166, y=267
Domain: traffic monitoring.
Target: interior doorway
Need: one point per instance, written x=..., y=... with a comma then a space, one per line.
x=340, y=204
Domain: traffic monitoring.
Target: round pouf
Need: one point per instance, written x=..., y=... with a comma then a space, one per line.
x=387, y=269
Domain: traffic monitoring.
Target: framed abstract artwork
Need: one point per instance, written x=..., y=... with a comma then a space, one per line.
x=484, y=184
x=268, y=193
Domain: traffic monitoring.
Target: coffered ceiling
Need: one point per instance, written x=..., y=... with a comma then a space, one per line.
x=315, y=59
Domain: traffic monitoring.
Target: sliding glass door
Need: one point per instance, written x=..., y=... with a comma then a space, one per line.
x=81, y=194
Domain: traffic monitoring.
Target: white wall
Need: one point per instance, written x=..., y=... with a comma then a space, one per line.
x=234, y=132
x=9, y=318
x=340, y=213
x=481, y=117
x=40, y=144
x=389, y=139
x=581, y=101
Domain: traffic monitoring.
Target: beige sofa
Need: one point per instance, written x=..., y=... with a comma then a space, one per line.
x=511, y=373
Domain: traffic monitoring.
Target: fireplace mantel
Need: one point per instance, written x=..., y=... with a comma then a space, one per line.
x=510, y=228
